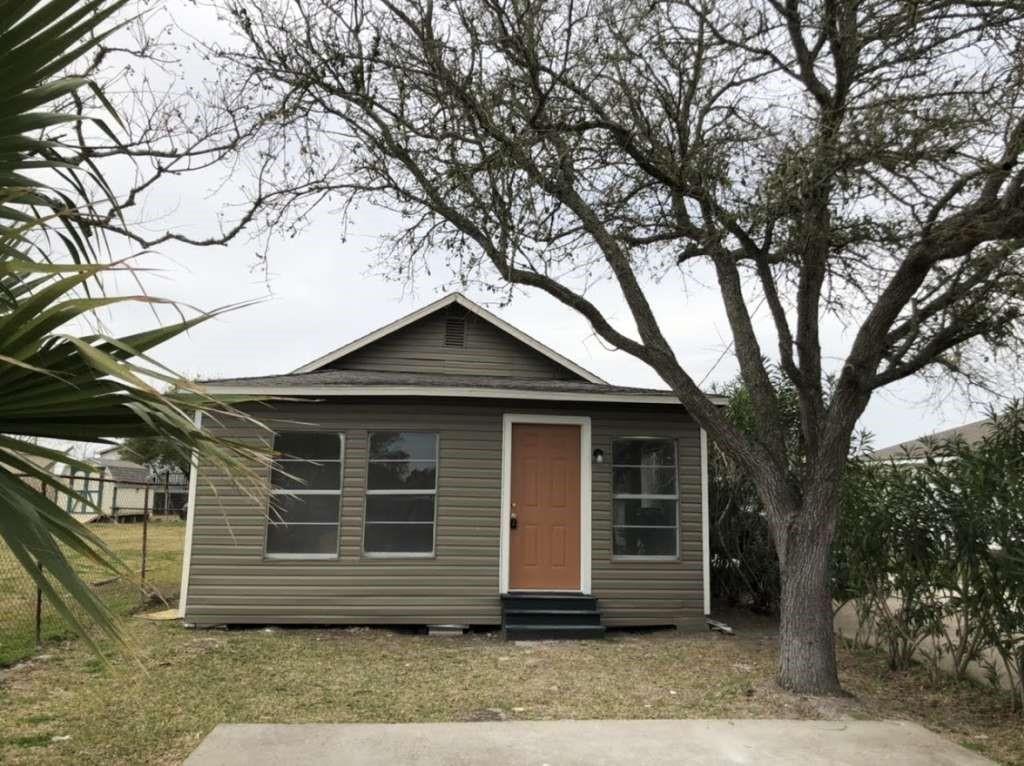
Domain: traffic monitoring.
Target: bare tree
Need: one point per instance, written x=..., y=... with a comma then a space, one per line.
x=850, y=159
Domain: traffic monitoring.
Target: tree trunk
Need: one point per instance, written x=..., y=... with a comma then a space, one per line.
x=807, y=657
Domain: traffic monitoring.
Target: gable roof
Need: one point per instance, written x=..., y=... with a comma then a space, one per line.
x=969, y=432
x=449, y=300
x=122, y=469
x=131, y=473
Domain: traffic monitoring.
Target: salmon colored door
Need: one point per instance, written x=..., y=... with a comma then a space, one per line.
x=544, y=542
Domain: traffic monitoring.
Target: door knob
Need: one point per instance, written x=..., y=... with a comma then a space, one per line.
x=513, y=521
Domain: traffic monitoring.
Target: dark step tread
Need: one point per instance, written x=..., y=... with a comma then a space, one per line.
x=545, y=594
x=540, y=619
x=520, y=610
x=557, y=628
x=550, y=602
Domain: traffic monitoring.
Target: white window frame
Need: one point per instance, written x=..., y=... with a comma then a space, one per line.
x=632, y=496
x=705, y=526
x=269, y=555
x=432, y=553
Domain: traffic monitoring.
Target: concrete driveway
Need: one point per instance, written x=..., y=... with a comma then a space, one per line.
x=582, y=743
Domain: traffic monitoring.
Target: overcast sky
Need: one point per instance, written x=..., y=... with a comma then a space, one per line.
x=318, y=292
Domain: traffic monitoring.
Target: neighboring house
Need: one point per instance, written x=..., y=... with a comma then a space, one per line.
x=123, y=489
x=914, y=449
x=454, y=470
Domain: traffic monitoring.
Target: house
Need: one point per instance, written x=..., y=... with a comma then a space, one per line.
x=450, y=469
x=123, y=489
x=914, y=449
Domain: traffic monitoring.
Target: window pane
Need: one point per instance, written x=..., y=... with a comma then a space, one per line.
x=399, y=508
x=643, y=452
x=298, y=474
x=402, y=445
x=411, y=474
x=644, y=481
x=645, y=513
x=309, y=509
x=398, y=538
x=308, y=445
x=642, y=541
x=284, y=538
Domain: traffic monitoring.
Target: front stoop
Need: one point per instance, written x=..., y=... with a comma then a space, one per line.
x=527, y=616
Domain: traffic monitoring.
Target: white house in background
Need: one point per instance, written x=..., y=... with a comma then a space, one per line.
x=123, y=489
x=913, y=449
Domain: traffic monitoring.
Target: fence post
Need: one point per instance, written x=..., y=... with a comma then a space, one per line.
x=167, y=492
x=39, y=591
x=145, y=536
x=39, y=613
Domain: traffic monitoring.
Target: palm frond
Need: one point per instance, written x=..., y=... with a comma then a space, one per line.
x=54, y=383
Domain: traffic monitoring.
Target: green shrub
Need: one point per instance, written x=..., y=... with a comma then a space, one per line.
x=930, y=549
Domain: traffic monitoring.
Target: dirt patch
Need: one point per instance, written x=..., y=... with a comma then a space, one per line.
x=487, y=714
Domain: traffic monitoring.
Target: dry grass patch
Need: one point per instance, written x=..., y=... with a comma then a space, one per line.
x=186, y=681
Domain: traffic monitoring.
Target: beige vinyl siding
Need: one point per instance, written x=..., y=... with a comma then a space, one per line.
x=232, y=582
x=419, y=347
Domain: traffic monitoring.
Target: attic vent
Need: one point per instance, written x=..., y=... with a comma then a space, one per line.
x=455, y=330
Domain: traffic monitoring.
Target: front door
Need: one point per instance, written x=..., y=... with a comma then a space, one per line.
x=544, y=542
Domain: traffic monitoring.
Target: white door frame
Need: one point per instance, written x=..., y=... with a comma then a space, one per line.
x=506, y=491
x=705, y=526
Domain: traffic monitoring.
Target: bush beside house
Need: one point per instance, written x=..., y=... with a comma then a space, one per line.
x=928, y=560
x=930, y=554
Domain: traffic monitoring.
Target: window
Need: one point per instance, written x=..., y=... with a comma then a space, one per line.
x=401, y=487
x=645, y=499
x=305, y=495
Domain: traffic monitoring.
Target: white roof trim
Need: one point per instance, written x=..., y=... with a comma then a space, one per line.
x=447, y=300
x=471, y=392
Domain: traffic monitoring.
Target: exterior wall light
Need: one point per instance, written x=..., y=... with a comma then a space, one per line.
x=598, y=456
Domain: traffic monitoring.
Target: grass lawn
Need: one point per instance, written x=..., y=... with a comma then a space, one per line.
x=155, y=708
x=123, y=595
x=155, y=705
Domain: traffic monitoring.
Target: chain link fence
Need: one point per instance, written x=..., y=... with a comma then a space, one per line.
x=149, y=543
